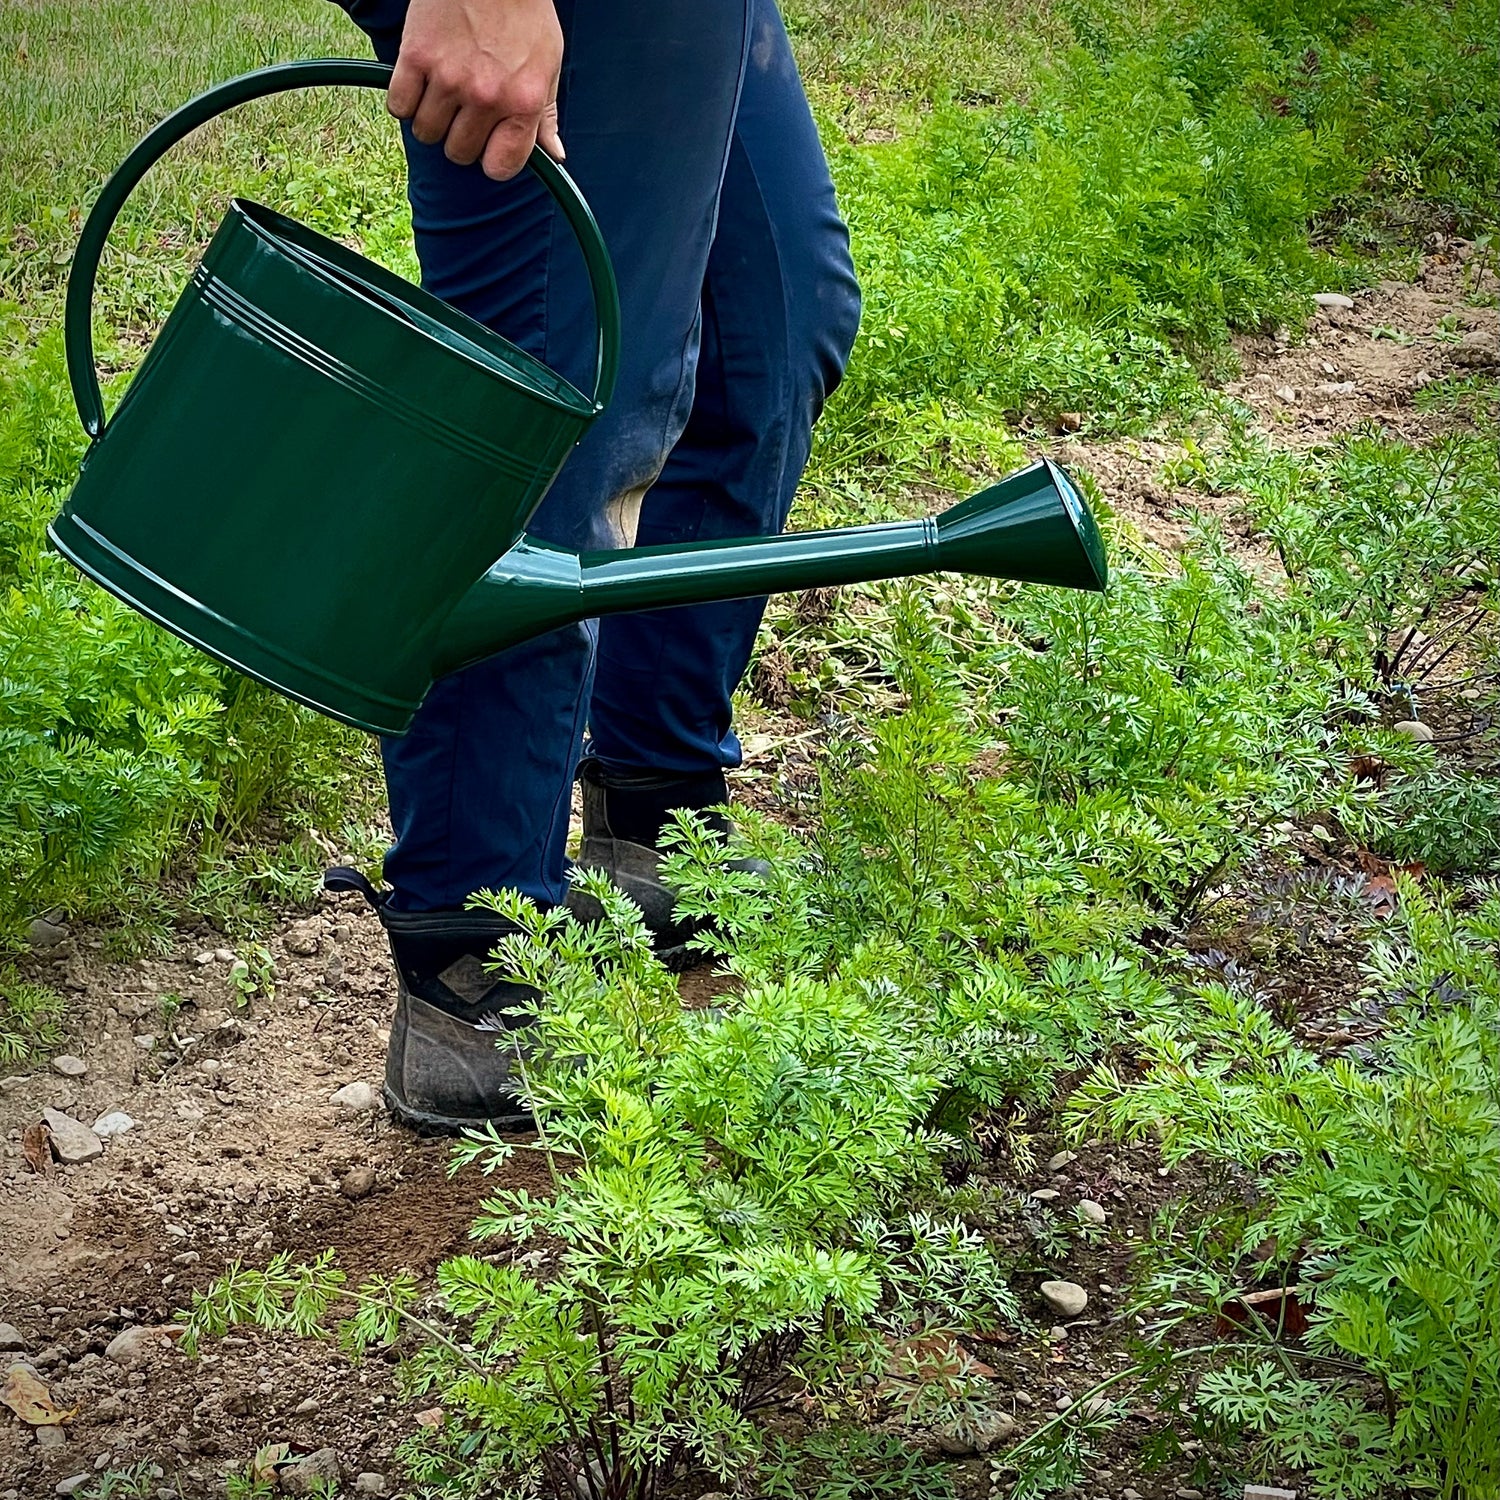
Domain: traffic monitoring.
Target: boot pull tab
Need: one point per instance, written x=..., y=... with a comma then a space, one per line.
x=347, y=878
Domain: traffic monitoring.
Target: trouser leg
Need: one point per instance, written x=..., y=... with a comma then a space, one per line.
x=479, y=788
x=780, y=310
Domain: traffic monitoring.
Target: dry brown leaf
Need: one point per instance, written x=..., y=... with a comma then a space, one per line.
x=1380, y=893
x=268, y=1461
x=28, y=1396
x=36, y=1147
x=432, y=1417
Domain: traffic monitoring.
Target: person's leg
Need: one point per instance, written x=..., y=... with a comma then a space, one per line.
x=479, y=788
x=780, y=311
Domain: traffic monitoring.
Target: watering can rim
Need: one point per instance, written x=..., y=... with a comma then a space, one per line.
x=284, y=236
x=78, y=337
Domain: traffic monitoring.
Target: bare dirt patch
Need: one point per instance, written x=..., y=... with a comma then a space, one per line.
x=1367, y=363
x=237, y=1151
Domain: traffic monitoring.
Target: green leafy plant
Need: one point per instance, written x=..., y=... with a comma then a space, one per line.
x=850, y=1463
x=30, y=1017
x=1391, y=550
x=1380, y=1190
x=732, y=1209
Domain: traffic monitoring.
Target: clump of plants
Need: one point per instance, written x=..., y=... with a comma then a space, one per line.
x=1391, y=551
x=736, y=1210
x=1378, y=1201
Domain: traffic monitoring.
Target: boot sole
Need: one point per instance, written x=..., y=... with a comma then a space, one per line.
x=424, y=1123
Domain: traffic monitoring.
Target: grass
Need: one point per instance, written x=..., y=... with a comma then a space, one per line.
x=1057, y=209
x=1024, y=798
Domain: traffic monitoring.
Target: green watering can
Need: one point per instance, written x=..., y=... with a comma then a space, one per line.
x=317, y=465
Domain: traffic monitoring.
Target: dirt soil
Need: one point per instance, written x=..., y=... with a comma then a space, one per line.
x=1364, y=364
x=239, y=1150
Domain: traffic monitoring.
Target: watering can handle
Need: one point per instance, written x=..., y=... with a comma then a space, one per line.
x=78, y=319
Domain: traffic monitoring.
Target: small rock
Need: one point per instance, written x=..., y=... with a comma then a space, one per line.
x=203, y=959
x=1130, y=1494
x=1058, y=1162
x=186, y=1258
x=146, y=1042
x=11, y=1339
x=1334, y=302
x=132, y=1345
x=369, y=1484
x=1094, y=1213
x=306, y=1475
x=45, y=934
x=1477, y=349
x=1063, y=1403
x=985, y=1432
x=1268, y=1492
x=307, y=1408
x=1185, y=1492
x=1070, y=421
x=51, y=1436
x=1046, y=1195
x=355, y=1097
x=72, y=1484
x=1025, y=1398
x=72, y=1141
x=1286, y=393
x=1414, y=729
x=358, y=1182
x=1058, y=1333
x=1066, y=1297
x=304, y=940
x=69, y=1066
x=116, y=1122
x=225, y=955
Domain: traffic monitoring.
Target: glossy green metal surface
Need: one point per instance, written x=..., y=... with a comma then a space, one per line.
x=317, y=464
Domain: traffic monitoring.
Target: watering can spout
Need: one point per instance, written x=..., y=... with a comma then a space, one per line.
x=1032, y=527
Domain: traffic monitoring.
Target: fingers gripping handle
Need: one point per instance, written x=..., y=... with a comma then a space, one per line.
x=78, y=334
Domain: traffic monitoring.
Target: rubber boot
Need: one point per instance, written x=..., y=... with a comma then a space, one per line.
x=623, y=817
x=452, y=1060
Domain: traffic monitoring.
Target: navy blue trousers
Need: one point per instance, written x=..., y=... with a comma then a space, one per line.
x=688, y=131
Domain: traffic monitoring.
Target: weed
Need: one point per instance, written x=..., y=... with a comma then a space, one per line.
x=1381, y=1194
x=252, y=975
x=138, y=1482
x=1390, y=549
x=850, y=1463
x=30, y=1018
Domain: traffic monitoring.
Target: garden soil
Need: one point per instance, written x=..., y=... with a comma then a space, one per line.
x=242, y=1144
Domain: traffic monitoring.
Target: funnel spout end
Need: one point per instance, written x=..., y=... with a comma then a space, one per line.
x=1033, y=527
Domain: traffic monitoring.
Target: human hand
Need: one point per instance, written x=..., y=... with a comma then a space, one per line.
x=481, y=76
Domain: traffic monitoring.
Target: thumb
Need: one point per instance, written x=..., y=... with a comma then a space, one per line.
x=546, y=134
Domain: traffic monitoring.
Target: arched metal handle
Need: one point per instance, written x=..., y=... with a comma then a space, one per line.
x=78, y=317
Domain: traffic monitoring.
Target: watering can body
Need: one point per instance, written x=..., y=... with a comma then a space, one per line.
x=317, y=466
x=303, y=483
